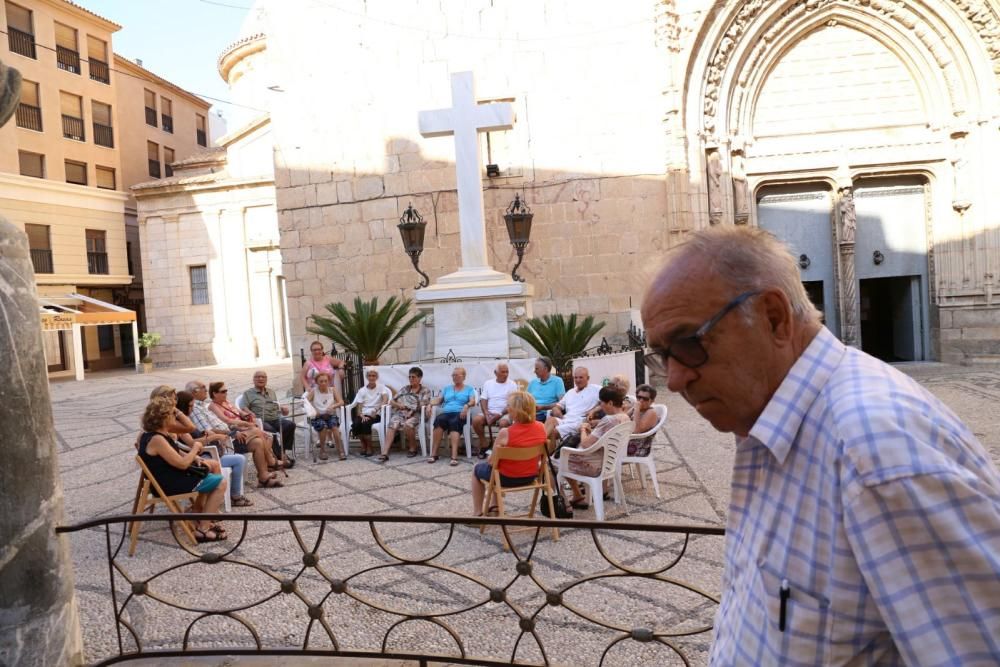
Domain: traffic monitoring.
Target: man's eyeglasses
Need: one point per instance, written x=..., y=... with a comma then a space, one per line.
x=689, y=351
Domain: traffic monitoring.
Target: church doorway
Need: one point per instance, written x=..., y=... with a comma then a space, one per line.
x=802, y=217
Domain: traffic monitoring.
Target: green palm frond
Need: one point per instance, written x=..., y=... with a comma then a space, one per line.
x=369, y=330
x=558, y=337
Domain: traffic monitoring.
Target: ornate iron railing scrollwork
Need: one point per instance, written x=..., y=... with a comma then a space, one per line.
x=525, y=606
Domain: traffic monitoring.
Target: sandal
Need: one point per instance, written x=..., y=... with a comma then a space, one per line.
x=220, y=531
x=343, y=457
x=410, y=454
x=240, y=501
x=432, y=459
x=454, y=462
x=580, y=504
x=209, y=535
x=269, y=483
x=381, y=458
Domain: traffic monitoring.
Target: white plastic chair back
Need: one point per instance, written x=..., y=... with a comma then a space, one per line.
x=615, y=443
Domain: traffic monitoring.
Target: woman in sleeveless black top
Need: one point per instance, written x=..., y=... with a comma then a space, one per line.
x=168, y=465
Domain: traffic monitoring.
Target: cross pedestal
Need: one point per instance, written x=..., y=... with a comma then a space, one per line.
x=471, y=311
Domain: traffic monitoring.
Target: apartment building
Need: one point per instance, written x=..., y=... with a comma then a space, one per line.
x=90, y=125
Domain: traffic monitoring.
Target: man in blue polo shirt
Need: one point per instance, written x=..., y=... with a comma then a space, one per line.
x=546, y=388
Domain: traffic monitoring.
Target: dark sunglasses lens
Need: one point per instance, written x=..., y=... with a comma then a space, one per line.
x=689, y=352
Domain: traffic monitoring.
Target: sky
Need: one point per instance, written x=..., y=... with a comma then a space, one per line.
x=179, y=40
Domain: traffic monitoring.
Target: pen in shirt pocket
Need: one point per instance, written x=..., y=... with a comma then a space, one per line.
x=783, y=594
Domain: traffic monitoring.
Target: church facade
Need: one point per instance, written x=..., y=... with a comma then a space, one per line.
x=859, y=131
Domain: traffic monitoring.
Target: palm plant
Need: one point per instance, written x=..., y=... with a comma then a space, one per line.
x=369, y=330
x=559, y=338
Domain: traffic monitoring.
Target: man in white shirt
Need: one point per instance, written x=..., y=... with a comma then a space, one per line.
x=493, y=403
x=369, y=401
x=571, y=410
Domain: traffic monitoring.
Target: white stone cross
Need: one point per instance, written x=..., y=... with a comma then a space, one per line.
x=466, y=119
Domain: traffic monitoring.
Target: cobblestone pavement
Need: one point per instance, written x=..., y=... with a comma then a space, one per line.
x=97, y=422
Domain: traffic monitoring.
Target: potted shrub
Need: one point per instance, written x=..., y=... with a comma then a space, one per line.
x=368, y=330
x=147, y=342
x=560, y=339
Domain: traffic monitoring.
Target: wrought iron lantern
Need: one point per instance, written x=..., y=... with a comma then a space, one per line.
x=518, y=219
x=411, y=228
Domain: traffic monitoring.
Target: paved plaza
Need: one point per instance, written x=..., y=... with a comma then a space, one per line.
x=97, y=421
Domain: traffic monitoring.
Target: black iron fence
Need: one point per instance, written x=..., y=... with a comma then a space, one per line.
x=150, y=116
x=29, y=117
x=168, y=122
x=636, y=344
x=104, y=135
x=99, y=71
x=41, y=260
x=411, y=588
x=97, y=262
x=154, y=168
x=67, y=59
x=353, y=370
x=73, y=127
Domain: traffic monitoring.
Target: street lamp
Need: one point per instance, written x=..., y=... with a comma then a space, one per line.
x=518, y=219
x=411, y=229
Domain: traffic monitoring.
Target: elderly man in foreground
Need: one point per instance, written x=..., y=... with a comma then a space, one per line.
x=864, y=522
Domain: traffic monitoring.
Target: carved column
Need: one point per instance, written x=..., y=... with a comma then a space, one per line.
x=741, y=190
x=848, y=222
x=716, y=200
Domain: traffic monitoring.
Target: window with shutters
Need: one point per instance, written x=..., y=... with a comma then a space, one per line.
x=167, y=114
x=29, y=111
x=97, y=255
x=150, y=98
x=153, y=155
x=200, y=130
x=199, y=284
x=72, y=115
x=105, y=177
x=20, y=30
x=40, y=247
x=76, y=172
x=32, y=164
x=104, y=135
x=168, y=159
x=97, y=59
x=67, y=49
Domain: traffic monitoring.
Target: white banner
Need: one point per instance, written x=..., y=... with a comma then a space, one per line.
x=437, y=376
x=604, y=367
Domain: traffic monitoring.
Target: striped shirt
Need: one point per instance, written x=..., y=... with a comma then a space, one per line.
x=880, y=512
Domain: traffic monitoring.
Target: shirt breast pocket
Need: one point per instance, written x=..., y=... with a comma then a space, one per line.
x=805, y=615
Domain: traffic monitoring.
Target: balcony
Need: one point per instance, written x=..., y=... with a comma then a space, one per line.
x=97, y=262
x=41, y=258
x=73, y=128
x=29, y=117
x=22, y=43
x=202, y=139
x=104, y=135
x=154, y=168
x=99, y=71
x=168, y=123
x=168, y=170
x=150, y=116
x=68, y=59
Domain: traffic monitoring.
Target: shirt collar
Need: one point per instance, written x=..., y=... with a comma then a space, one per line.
x=778, y=425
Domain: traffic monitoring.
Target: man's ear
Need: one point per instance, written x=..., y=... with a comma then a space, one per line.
x=778, y=315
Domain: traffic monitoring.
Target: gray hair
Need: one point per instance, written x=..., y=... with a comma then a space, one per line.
x=501, y=364
x=193, y=385
x=750, y=259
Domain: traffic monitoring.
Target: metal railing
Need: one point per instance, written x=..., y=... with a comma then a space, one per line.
x=99, y=71
x=202, y=139
x=41, y=259
x=636, y=344
x=73, y=128
x=67, y=59
x=104, y=135
x=29, y=117
x=360, y=586
x=97, y=262
x=150, y=116
x=154, y=168
x=21, y=42
x=168, y=123
x=168, y=170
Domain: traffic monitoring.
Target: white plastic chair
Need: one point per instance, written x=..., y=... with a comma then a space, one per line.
x=466, y=430
x=615, y=444
x=647, y=461
x=377, y=428
x=421, y=427
x=227, y=474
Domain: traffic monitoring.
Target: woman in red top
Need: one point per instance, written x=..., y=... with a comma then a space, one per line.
x=524, y=431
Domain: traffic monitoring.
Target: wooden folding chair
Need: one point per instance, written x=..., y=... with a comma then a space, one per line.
x=146, y=498
x=543, y=482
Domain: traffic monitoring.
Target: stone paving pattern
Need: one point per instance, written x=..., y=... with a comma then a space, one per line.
x=97, y=422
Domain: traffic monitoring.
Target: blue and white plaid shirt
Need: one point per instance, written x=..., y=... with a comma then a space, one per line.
x=881, y=512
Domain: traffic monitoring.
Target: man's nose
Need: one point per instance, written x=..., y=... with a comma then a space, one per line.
x=679, y=376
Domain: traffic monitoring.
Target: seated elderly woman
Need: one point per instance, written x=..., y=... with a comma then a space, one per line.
x=237, y=462
x=245, y=434
x=325, y=402
x=172, y=468
x=591, y=464
x=406, y=407
x=644, y=417
x=621, y=383
x=525, y=431
x=455, y=401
